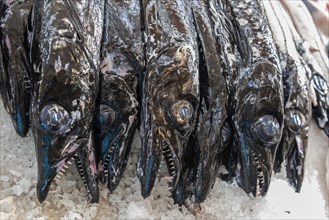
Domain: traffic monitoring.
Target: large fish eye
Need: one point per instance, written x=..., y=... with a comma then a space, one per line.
x=295, y=120
x=55, y=119
x=267, y=129
x=182, y=112
x=105, y=116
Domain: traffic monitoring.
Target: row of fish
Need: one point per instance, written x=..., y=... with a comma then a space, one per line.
x=206, y=82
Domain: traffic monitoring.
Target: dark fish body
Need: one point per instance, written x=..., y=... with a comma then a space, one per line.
x=65, y=60
x=15, y=65
x=121, y=64
x=206, y=141
x=297, y=102
x=170, y=94
x=257, y=101
x=319, y=88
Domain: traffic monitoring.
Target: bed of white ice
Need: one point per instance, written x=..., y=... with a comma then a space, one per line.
x=67, y=197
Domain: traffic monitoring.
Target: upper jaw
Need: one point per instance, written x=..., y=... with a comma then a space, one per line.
x=173, y=163
x=295, y=162
x=115, y=160
x=253, y=172
x=51, y=162
x=148, y=164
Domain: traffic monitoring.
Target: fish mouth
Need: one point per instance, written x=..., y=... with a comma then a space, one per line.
x=295, y=163
x=149, y=162
x=85, y=163
x=172, y=167
x=253, y=177
x=262, y=182
x=46, y=178
x=115, y=161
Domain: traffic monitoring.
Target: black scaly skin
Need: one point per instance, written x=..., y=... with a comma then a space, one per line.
x=170, y=94
x=65, y=60
x=15, y=64
x=257, y=97
x=206, y=143
x=297, y=100
x=121, y=64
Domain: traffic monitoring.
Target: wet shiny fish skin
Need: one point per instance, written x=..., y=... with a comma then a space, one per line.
x=257, y=101
x=297, y=100
x=206, y=141
x=65, y=47
x=319, y=78
x=15, y=65
x=117, y=109
x=170, y=93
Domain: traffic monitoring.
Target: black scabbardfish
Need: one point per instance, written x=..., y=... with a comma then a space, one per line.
x=202, y=158
x=257, y=97
x=297, y=102
x=15, y=64
x=170, y=94
x=65, y=59
x=121, y=65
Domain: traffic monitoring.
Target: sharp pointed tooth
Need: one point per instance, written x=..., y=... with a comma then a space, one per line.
x=170, y=189
x=58, y=176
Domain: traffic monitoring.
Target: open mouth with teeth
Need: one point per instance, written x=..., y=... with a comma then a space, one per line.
x=85, y=164
x=114, y=164
x=169, y=159
x=252, y=178
x=295, y=162
x=261, y=187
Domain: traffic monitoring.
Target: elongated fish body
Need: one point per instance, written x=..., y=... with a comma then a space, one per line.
x=305, y=26
x=170, y=95
x=223, y=28
x=319, y=15
x=319, y=89
x=297, y=102
x=206, y=140
x=257, y=105
x=15, y=75
x=121, y=64
x=65, y=59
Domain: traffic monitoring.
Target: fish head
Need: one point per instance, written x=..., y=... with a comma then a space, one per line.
x=298, y=113
x=258, y=123
x=295, y=141
x=169, y=115
x=15, y=69
x=62, y=113
x=116, y=116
